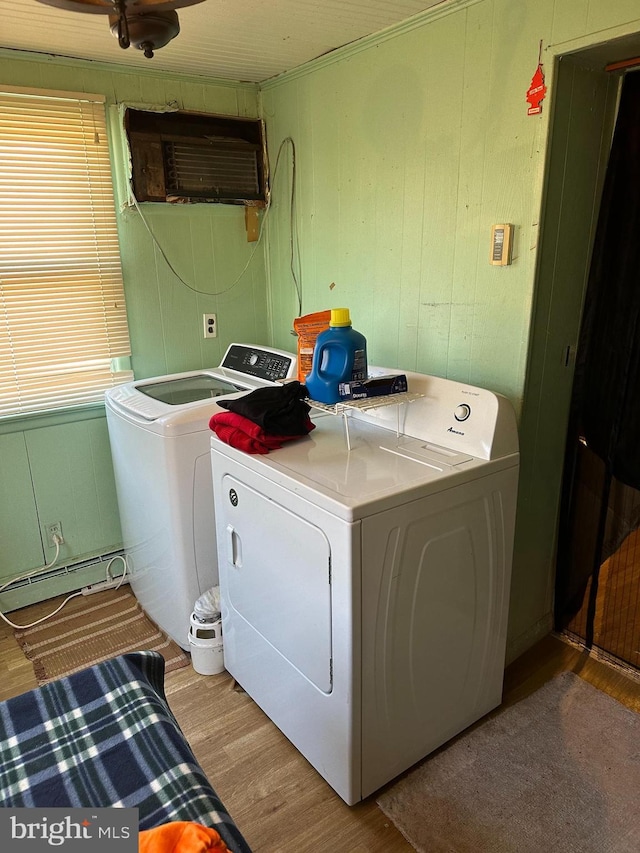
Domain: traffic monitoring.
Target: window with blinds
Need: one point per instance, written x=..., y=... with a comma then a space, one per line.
x=63, y=324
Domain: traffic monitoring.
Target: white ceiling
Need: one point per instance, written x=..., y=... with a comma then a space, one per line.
x=249, y=40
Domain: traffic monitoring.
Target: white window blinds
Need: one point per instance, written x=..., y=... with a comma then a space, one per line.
x=62, y=311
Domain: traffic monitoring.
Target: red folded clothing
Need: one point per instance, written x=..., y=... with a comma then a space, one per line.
x=246, y=435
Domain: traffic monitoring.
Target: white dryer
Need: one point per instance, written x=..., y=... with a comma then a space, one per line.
x=365, y=583
x=159, y=434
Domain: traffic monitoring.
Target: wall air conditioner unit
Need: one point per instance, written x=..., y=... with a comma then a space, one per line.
x=194, y=157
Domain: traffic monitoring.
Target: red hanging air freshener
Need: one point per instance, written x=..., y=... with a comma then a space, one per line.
x=537, y=90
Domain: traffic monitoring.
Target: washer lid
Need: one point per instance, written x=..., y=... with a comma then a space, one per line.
x=184, y=402
x=177, y=392
x=176, y=399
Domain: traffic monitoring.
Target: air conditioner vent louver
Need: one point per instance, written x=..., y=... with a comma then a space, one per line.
x=211, y=171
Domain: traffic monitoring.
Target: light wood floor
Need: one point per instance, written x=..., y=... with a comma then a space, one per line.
x=616, y=625
x=279, y=802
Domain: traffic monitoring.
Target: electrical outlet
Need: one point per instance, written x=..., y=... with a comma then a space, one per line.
x=52, y=530
x=210, y=323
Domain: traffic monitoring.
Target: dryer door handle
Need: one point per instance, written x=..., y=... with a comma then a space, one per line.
x=234, y=547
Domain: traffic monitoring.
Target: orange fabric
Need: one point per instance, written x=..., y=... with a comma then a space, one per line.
x=181, y=837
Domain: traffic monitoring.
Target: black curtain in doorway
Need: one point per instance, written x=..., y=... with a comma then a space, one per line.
x=601, y=488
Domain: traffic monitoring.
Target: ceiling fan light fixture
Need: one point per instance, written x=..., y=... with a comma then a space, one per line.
x=146, y=32
x=145, y=24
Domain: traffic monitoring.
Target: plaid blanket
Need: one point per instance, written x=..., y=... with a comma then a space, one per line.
x=106, y=737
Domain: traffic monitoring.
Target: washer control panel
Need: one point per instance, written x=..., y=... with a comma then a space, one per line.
x=261, y=362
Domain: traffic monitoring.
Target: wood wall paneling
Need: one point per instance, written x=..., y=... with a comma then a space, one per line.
x=21, y=548
x=73, y=483
x=603, y=16
x=409, y=151
x=569, y=20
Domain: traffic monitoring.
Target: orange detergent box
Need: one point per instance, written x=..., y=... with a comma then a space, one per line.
x=307, y=328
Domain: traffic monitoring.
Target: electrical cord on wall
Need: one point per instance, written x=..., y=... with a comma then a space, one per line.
x=57, y=542
x=293, y=235
x=109, y=582
x=125, y=570
x=294, y=242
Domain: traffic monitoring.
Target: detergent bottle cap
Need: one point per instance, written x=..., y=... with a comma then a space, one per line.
x=340, y=317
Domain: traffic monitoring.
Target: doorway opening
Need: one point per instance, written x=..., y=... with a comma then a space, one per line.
x=597, y=600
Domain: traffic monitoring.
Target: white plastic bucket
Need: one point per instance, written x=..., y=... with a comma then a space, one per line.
x=205, y=645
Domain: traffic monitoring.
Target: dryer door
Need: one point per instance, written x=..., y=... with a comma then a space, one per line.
x=276, y=578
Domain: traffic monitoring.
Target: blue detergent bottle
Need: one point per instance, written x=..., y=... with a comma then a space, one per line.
x=340, y=355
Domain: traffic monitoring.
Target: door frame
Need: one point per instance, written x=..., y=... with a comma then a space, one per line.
x=581, y=128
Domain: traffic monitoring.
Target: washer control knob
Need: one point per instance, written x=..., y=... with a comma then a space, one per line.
x=253, y=359
x=462, y=412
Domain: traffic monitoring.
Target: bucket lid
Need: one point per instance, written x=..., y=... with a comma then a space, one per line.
x=340, y=317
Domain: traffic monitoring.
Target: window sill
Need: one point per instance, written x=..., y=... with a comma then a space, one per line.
x=56, y=417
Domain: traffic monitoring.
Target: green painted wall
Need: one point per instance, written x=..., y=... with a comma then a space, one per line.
x=59, y=469
x=408, y=151
x=409, y=147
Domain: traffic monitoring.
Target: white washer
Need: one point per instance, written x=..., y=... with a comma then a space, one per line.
x=159, y=434
x=365, y=590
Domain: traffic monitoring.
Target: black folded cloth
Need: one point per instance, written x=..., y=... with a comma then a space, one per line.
x=278, y=409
